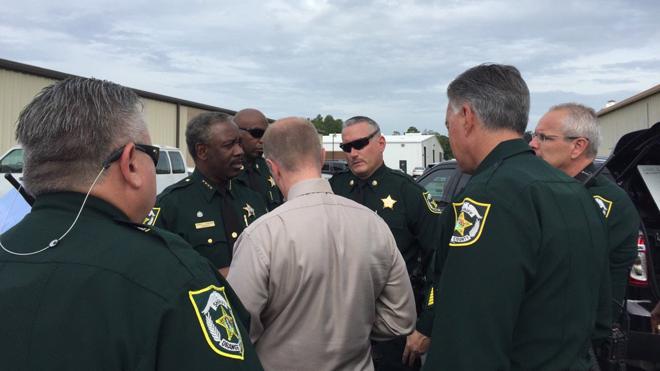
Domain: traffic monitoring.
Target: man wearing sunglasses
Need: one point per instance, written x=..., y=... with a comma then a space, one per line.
x=407, y=209
x=209, y=209
x=256, y=176
x=567, y=137
x=84, y=286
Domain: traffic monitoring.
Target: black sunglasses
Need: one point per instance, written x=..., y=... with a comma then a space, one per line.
x=151, y=151
x=358, y=143
x=255, y=132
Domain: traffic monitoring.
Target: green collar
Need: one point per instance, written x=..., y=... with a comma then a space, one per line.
x=71, y=202
x=502, y=151
x=208, y=189
x=372, y=181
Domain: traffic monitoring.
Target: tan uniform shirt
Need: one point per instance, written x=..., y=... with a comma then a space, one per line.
x=320, y=275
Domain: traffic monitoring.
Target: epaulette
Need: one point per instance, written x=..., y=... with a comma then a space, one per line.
x=183, y=183
x=401, y=174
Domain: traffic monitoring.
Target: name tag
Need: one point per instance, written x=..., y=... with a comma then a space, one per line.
x=203, y=225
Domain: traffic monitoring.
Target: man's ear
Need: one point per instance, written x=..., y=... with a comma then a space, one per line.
x=273, y=166
x=202, y=151
x=579, y=147
x=322, y=156
x=129, y=167
x=469, y=118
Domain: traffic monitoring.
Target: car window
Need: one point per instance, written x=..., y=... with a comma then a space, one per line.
x=178, y=166
x=436, y=182
x=163, y=163
x=13, y=162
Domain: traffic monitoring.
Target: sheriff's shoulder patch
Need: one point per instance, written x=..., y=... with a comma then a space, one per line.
x=152, y=216
x=431, y=204
x=470, y=217
x=218, y=322
x=604, y=205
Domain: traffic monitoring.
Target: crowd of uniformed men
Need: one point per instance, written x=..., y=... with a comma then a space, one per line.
x=524, y=270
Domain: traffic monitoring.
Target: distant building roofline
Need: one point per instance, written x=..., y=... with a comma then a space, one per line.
x=56, y=75
x=628, y=101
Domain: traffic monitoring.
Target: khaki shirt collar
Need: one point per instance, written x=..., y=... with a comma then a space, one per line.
x=316, y=185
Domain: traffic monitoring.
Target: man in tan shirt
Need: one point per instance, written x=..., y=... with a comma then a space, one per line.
x=321, y=274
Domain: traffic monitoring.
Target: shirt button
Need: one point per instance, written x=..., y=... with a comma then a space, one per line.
x=210, y=240
x=234, y=234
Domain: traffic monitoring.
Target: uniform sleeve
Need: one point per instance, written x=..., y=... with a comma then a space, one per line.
x=185, y=344
x=248, y=276
x=481, y=287
x=395, y=307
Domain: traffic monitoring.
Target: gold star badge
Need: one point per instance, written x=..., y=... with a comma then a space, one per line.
x=249, y=209
x=227, y=322
x=461, y=224
x=271, y=181
x=388, y=202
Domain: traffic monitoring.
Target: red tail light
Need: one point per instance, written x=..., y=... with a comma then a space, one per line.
x=638, y=276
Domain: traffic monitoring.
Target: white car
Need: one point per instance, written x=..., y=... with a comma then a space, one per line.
x=171, y=167
x=419, y=170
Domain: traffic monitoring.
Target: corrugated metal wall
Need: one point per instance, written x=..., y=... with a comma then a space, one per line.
x=638, y=115
x=16, y=91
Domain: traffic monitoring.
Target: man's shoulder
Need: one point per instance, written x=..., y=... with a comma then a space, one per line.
x=180, y=187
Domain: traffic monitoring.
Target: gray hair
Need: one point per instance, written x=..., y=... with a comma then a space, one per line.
x=71, y=127
x=199, y=129
x=497, y=94
x=294, y=143
x=360, y=119
x=581, y=121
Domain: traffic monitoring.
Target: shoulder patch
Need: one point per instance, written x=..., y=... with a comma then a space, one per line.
x=604, y=205
x=152, y=216
x=470, y=217
x=431, y=204
x=219, y=325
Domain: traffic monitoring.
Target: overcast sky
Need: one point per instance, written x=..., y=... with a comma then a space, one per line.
x=390, y=60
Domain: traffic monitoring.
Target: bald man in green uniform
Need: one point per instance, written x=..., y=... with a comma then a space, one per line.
x=521, y=260
x=83, y=286
x=406, y=207
x=256, y=176
x=209, y=209
x=567, y=137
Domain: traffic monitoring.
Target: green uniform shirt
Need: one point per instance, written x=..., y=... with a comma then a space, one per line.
x=406, y=207
x=521, y=266
x=266, y=186
x=192, y=208
x=114, y=297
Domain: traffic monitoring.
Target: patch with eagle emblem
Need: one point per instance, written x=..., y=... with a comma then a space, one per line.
x=431, y=204
x=470, y=217
x=218, y=322
x=604, y=205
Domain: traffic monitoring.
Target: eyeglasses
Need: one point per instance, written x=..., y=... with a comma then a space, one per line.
x=151, y=151
x=255, y=132
x=358, y=143
x=548, y=138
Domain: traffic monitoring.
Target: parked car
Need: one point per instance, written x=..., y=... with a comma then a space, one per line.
x=332, y=167
x=635, y=167
x=171, y=167
x=418, y=171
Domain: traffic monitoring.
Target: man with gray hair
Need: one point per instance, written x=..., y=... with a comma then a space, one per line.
x=83, y=286
x=521, y=259
x=567, y=137
x=320, y=274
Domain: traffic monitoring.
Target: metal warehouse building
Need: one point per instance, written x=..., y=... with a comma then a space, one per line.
x=166, y=116
x=638, y=112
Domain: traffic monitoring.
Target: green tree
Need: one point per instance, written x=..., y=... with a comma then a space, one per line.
x=446, y=148
x=412, y=129
x=327, y=125
x=396, y=132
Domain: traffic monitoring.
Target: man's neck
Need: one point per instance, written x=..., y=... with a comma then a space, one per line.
x=576, y=166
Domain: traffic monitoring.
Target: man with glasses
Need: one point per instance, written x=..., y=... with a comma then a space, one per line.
x=567, y=137
x=83, y=286
x=209, y=209
x=519, y=266
x=256, y=175
x=408, y=210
